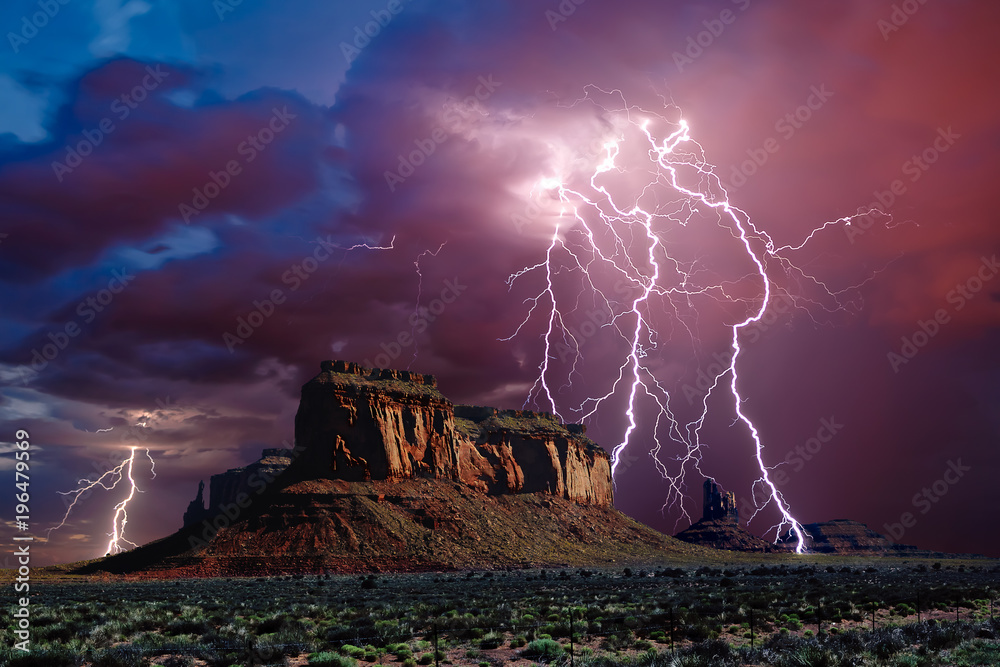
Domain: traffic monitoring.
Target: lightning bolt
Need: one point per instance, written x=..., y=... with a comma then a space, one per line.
x=356, y=246
x=420, y=291
x=110, y=481
x=599, y=233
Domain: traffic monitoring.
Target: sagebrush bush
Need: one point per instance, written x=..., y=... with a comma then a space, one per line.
x=543, y=649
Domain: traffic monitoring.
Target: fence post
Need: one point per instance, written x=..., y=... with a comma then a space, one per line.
x=435, y=644
x=751, y=627
x=873, y=616
x=918, y=606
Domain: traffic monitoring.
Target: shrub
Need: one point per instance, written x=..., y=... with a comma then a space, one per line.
x=123, y=655
x=352, y=651
x=45, y=657
x=330, y=659
x=543, y=649
x=391, y=631
x=178, y=661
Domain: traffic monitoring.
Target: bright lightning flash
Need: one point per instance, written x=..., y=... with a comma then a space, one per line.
x=600, y=232
x=110, y=481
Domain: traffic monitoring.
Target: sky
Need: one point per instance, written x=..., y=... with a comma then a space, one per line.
x=200, y=201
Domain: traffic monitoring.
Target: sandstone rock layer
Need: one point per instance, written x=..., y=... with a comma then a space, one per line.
x=362, y=424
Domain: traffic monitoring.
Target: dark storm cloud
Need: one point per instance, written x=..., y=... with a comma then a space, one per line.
x=482, y=96
x=124, y=155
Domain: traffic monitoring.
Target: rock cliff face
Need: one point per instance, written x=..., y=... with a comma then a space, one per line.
x=518, y=451
x=362, y=424
x=719, y=505
x=226, y=487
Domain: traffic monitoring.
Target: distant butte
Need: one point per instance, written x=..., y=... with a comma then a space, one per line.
x=719, y=526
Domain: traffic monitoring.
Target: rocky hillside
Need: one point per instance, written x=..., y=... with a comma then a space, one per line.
x=727, y=535
x=327, y=525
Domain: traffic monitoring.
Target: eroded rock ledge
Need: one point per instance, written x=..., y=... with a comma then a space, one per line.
x=370, y=424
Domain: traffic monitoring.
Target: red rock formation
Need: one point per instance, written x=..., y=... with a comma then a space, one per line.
x=359, y=424
x=519, y=451
x=719, y=525
x=719, y=505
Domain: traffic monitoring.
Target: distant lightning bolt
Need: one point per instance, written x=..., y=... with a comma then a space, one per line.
x=594, y=230
x=110, y=481
x=357, y=246
x=420, y=291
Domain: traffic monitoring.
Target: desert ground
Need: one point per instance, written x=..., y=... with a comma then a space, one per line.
x=767, y=610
